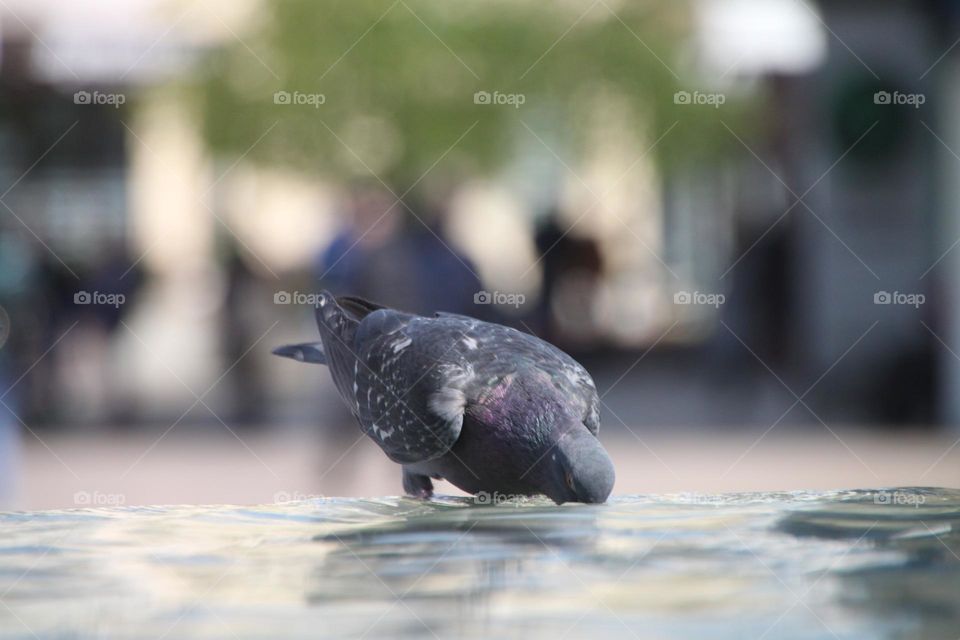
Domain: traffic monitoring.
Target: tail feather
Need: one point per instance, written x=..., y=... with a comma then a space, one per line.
x=338, y=320
x=311, y=352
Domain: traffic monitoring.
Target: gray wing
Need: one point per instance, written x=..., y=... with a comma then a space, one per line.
x=409, y=383
x=501, y=350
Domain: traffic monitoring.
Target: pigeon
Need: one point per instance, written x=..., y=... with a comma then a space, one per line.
x=496, y=412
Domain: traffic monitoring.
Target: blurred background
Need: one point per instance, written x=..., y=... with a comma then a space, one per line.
x=740, y=215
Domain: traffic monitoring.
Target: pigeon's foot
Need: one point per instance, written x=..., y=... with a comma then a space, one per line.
x=416, y=485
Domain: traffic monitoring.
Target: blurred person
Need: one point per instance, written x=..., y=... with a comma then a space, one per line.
x=446, y=278
x=566, y=261
x=239, y=330
x=761, y=296
x=371, y=219
x=399, y=258
x=115, y=274
x=100, y=304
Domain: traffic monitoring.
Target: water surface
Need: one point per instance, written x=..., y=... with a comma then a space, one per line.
x=848, y=564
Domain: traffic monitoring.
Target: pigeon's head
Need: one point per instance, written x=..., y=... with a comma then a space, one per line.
x=581, y=469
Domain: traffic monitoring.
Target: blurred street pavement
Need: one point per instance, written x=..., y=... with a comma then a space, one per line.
x=71, y=470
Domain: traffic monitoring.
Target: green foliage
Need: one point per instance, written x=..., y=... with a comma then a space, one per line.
x=398, y=82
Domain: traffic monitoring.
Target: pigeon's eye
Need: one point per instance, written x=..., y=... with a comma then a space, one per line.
x=569, y=479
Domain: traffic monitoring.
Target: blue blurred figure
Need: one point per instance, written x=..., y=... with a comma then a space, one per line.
x=387, y=254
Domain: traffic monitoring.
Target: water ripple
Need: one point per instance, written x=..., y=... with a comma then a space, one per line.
x=878, y=563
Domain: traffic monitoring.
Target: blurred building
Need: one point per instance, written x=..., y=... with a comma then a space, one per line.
x=832, y=198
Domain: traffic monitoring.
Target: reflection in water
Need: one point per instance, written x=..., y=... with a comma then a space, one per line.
x=849, y=564
x=444, y=567
x=918, y=588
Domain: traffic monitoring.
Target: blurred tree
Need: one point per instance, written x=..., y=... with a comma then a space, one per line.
x=349, y=87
